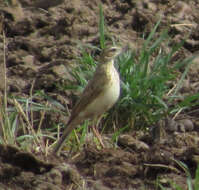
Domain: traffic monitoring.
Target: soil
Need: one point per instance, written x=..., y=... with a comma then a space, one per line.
x=43, y=40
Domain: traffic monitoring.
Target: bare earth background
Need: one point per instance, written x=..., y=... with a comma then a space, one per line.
x=43, y=38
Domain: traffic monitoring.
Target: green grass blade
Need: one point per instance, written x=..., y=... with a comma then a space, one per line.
x=152, y=34
x=177, y=187
x=196, y=183
x=189, y=183
x=101, y=28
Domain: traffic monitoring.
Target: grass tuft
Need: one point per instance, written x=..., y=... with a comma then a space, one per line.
x=191, y=184
x=150, y=82
x=146, y=83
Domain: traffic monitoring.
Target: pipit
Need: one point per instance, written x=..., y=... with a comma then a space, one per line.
x=100, y=94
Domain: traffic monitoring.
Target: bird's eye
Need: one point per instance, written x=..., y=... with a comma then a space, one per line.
x=113, y=50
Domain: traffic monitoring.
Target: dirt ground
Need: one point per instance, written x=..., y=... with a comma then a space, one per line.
x=43, y=38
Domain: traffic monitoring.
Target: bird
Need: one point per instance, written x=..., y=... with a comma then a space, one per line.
x=100, y=94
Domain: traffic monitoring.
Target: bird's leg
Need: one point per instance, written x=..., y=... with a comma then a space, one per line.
x=96, y=132
x=98, y=136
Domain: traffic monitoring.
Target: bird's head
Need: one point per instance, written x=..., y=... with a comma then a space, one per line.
x=110, y=53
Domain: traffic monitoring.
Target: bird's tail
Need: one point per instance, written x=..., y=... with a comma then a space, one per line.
x=65, y=134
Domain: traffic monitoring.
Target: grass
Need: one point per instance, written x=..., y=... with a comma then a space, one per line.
x=191, y=184
x=146, y=95
x=146, y=80
x=19, y=127
x=17, y=118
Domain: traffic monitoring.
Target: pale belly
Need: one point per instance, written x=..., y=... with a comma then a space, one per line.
x=105, y=100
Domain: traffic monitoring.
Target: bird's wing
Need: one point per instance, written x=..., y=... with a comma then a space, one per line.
x=93, y=89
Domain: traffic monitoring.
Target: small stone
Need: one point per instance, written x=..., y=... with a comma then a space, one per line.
x=171, y=125
x=29, y=60
x=60, y=71
x=188, y=124
x=128, y=140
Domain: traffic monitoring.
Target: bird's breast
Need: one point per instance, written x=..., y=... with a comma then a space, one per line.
x=109, y=96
